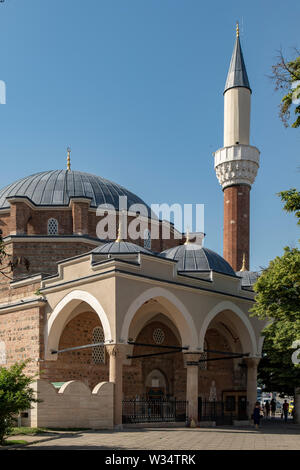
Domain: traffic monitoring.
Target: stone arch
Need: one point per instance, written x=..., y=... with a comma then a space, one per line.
x=61, y=314
x=181, y=316
x=247, y=335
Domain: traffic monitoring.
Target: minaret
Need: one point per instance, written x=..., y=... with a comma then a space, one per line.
x=236, y=164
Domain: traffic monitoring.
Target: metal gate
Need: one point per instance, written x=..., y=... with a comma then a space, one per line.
x=221, y=412
x=153, y=411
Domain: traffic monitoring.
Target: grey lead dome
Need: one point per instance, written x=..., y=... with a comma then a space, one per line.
x=55, y=188
x=192, y=257
x=121, y=247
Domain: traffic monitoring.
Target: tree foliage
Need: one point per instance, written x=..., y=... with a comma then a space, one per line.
x=292, y=201
x=278, y=299
x=16, y=395
x=286, y=75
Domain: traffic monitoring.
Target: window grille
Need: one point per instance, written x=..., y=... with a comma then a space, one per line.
x=158, y=336
x=52, y=227
x=98, y=351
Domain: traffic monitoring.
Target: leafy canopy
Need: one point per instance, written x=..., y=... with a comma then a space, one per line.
x=286, y=75
x=16, y=395
x=278, y=299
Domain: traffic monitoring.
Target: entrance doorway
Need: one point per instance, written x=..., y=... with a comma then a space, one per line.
x=156, y=385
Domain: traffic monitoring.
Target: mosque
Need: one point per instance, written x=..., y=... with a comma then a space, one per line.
x=157, y=329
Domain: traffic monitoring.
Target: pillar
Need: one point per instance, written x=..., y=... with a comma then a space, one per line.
x=117, y=355
x=80, y=215
x=252, y=363
x=192, y=367
x=20, y=213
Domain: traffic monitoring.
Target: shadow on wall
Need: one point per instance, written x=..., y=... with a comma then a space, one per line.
x=72, y=405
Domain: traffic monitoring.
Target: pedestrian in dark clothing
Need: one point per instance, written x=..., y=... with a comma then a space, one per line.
x=273, y=407
x=256, y=414
x=285, y=410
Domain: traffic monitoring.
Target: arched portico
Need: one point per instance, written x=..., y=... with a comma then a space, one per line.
x=63, y=311
x=230, y=315
x=174, y=309
x=240, y=322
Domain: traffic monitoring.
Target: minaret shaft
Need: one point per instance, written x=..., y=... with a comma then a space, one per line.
x=236, y=236
x=237, y=116
x=236, y=164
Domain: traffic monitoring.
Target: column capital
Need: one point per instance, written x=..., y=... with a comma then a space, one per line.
x=192, y=357
x=252, y=361
x=118, y=350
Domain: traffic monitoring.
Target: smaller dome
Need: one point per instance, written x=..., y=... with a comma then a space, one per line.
x=192, y=257
x=249, y=278
x=121, y=247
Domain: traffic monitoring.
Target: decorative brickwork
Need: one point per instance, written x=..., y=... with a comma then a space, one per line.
x=236, y=225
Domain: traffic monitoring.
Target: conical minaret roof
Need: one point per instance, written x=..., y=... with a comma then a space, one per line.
x=237, y=73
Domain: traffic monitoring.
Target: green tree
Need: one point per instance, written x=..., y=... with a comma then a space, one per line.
x=292, y=201
x=16, y=395
x=278, y=299
x=286, y=75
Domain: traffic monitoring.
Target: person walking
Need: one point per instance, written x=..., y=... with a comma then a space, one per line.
x=267, y=409
x=273, y=407
x=256, y=414
x=285, y=410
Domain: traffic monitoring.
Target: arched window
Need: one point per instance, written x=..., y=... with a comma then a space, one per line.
x=98, y=351
x=147, y=239
x=203, y=357
x=52, y=227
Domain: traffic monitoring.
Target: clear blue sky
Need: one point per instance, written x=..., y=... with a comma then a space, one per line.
x=135, y=88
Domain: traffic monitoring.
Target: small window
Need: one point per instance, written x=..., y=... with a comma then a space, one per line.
x=158, y=336
x=98, y=351
x=147, y=239
x=52, y=227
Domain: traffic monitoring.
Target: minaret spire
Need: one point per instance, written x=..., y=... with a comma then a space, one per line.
x=237, y=73
x=69, y=159
x=236, y=164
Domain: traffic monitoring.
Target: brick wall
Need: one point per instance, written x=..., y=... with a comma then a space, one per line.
x=236, y=225
x=43, y=256
x=21, y=332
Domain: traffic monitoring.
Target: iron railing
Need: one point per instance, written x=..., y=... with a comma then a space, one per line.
x=220, y=412
x=157, y=410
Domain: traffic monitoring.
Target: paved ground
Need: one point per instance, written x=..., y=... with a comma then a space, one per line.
x=268, y=437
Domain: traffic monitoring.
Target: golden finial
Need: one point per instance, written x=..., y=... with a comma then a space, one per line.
x=119, y=236
x=69, y=159
x=243, y=268
x=237, y=30
x=187, y=241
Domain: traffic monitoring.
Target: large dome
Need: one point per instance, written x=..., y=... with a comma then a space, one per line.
x=192, y=257
x=55, y=188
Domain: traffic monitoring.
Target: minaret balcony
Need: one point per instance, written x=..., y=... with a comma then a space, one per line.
x=236, y=164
